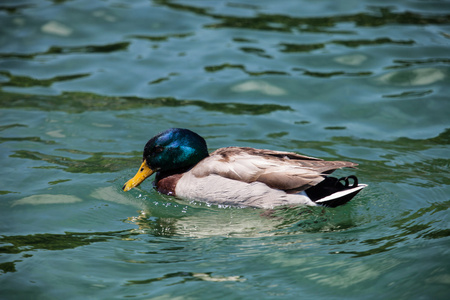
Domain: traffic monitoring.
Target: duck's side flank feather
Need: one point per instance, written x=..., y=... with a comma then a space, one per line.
x=216, y=189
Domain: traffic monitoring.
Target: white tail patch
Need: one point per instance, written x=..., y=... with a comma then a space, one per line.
x=343, y=193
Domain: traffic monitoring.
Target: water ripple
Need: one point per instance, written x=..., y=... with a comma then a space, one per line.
x=57, y=50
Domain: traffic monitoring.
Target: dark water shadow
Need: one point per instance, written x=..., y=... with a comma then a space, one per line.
x=98, y=162
x=78, y=102
x=27, y=244
x=26, y=81
x=107, y=48
x=379, y=16
x=295, y=48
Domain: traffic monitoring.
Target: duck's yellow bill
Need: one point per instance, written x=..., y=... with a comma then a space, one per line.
x=141, y=175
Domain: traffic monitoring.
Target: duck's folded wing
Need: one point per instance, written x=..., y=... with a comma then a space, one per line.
x=281, y=170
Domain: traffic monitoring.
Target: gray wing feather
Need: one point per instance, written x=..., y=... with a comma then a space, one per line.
x=280, y=170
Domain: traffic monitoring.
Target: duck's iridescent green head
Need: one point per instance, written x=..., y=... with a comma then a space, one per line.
x=173, y=149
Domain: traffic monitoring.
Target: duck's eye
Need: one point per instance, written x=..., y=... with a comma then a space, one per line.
x=158, y=149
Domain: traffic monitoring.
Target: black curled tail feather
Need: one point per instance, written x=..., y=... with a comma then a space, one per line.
x=345, y=179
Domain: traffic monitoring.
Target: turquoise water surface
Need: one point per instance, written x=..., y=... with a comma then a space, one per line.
x=84, y=85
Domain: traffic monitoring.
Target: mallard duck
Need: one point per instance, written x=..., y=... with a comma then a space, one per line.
x=240, y=176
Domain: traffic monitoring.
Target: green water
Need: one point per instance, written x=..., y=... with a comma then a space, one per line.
x=84, y=85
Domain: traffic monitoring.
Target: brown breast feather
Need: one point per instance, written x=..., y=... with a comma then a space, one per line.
x=166, y=185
